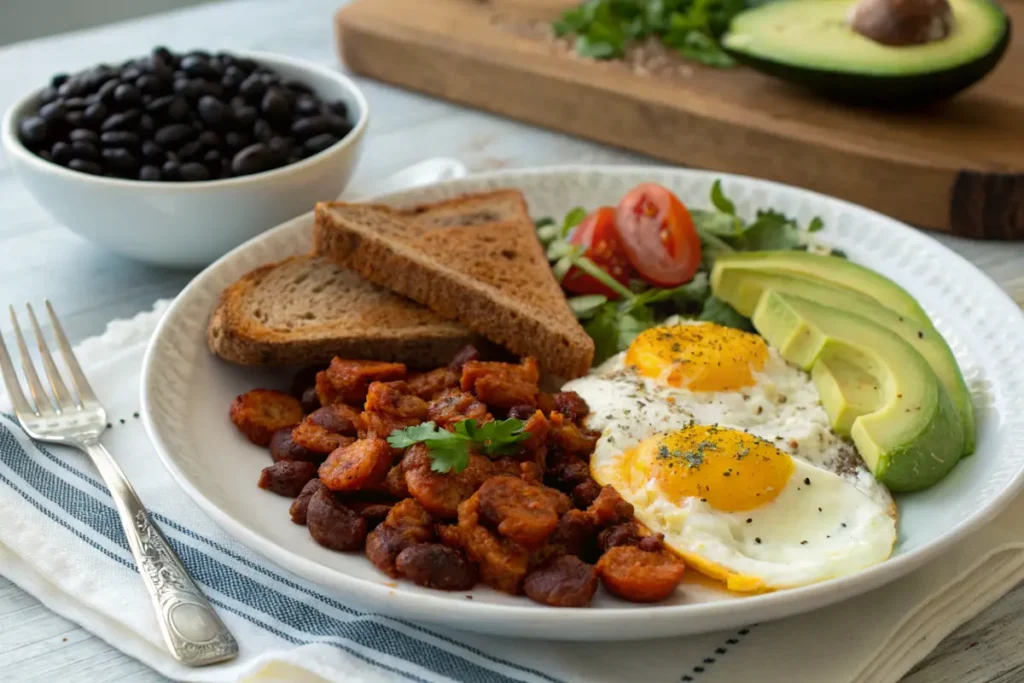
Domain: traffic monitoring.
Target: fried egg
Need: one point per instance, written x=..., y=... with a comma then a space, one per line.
x=740, y=510
x=704, y=427
x=704, y=373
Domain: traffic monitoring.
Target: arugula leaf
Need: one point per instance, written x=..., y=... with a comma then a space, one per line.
x=716, y=223
x=717, y=311
x=587, y=305
x=449, y=450
x=816, y=224
x=603, y=328
x=772, y=231
x=721, y=202
x=543, y=222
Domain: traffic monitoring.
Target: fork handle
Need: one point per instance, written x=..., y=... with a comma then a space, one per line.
x=192, y=630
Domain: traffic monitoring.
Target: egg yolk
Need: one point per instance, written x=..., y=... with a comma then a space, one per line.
x=730, y=470
x=702, y=357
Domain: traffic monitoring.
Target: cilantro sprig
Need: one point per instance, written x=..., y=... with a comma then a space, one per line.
x=603, y=29
x=449, y=450
x=614, y=324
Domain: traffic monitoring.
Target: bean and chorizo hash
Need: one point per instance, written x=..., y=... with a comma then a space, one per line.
x=465, y=474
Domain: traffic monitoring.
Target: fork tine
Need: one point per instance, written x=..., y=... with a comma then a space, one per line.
x=60, y=392
x=78, y=378
x=18, y=400
x=35, y=387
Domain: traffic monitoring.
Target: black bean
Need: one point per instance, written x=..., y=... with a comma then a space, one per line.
x=76, y=103
x=254, y=159
x=307, y=105
x=212, y=157
x=162, y=55
x=47, y=94
x=262, y=130
x=120, y=160
x=339, y=108
x=85, y=166
x=237, y=102
x=232, y=78
x=43, y=154
x=198, y=67
x=318, y=125
x=74, y=119
x=212, y=88
x=151, y=150
x=149, y=172
x=82, y=149
x=275, y=105
x=123, y=121
x=54, y=112
x=130, y=73
x=146, y=124
x=95, y=113
x=84, y=135
x=245, y=64
x=191, y=150
x=252, y=88
x=192, y=172
x=210, y=138
x=281, y=145
x=198, y=53
x=160, y=105
x=34, y=130
x=300, y=88
x=59, y=80
x=187, y=88
x=235, y=140
x=127, y=95
x=148, y=84
x=214, y=112
x=61, y=152
x=105, y=93
x=319, y=143
x=72, y=88
x=174, y=135
x=246, y=116
x=119, y=138
x=171, y=170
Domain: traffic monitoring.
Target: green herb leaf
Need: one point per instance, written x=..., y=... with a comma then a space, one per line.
x=717, y=311
x=586, y=306
x=716, y=223
x=816, y=224
x=449, y=450
x=403, y=438
x=500, y=437
x=721, y=202
x=543, y=222
x=772, y=231
x=572, y=219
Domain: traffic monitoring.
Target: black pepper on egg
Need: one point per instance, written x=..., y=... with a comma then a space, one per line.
x=180, y=117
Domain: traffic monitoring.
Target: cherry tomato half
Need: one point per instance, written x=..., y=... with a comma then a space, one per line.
x=657, y=235
x=597, y=232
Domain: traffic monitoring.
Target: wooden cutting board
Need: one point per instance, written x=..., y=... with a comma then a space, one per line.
x=956, y=166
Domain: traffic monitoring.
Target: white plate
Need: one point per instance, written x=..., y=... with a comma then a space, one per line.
x=186, y=393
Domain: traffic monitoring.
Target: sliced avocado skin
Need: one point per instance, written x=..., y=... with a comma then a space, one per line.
x=913, y=437
x=872, y=89
x=742, y=288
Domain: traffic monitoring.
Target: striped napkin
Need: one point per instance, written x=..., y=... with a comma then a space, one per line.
x=60, y=540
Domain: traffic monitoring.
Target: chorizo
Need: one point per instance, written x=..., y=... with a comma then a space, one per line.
x=327, y=429
x=521, y=511
x=300, y=506
x=286, y=478
x=627, y=533
x=393, y=484
x=585, y=493
x=436, y=566
x=334, y=525
x=503, y=563
x=391, y=406
x=426, y=385
x=570, y=438
x=440, y=494
x=640, y=576
x=347, y=381
x=357, y=466
x=407, y=524
x=261, y=412
x=610, y=508
x=454, y=405
x=564, y=581
x=502, y=385
x=283, y=447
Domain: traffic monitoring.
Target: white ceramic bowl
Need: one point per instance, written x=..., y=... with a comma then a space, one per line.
x=191, y=225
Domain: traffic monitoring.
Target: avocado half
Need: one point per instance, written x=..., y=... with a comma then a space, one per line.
x=810, y=43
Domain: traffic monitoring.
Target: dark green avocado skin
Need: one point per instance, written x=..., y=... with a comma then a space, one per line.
x=884, y=91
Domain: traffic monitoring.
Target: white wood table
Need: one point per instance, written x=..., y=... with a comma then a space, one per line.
x=88, y=286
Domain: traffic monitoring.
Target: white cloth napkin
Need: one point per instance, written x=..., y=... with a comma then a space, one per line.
x=60, y=541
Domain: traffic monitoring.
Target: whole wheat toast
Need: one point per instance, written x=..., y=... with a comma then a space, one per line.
x=493, y=278
x=306, y=310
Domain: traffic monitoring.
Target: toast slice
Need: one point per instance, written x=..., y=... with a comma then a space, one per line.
x=471, y=209
x=493, y=277
x=306, y=310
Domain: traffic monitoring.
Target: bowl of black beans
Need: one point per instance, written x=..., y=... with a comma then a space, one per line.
x=175, y=158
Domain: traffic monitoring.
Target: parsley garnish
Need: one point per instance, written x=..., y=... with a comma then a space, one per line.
x=449, y=450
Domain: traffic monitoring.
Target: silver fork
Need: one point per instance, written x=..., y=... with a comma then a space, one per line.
x=192, y=630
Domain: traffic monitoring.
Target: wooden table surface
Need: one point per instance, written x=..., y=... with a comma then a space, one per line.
x=88, y=286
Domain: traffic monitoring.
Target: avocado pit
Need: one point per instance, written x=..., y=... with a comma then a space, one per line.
x=902, y=22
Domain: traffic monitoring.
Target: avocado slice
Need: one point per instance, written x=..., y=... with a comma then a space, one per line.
x=876, y=388
x=810, y=43
x=742, y=289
